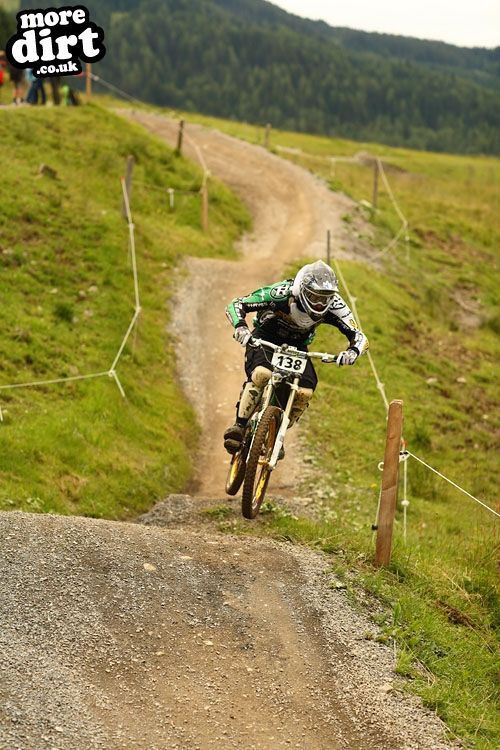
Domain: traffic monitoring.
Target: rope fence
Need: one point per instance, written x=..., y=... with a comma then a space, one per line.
x=115, y=89
x=111, y=372
x=403, y=230
x=404, y=454
x=404, y=223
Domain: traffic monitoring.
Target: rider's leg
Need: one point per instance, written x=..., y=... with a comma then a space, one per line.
x=249, y=400
x=302, y=399
x=251, y=394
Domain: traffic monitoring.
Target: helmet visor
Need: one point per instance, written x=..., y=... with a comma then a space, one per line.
x=319, y=300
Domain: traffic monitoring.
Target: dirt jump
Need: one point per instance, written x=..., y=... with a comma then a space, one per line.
x=165, y=634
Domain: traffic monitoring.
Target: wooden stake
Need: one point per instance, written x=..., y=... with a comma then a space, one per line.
x=180, y=136
x=88, y=81
x=390, y=479
x=375, y=184
x=328, y=246
x=204, y=205
x=129, y=169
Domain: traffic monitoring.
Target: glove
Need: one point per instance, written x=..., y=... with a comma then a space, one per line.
x=348, y=357
x=242, y=335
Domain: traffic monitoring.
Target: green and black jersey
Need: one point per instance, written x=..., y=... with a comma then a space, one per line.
x=280, y=320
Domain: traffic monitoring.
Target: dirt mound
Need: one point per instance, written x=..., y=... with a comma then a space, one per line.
x=127, y=636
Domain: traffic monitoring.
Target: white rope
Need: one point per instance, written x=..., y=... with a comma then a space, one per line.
x=125, y=339
x=403, y=458
x=404, y=223
x=112, y=370
x=391, y=194
x=36, y=383
x=198, y=152
x=454, y=484
x=112, y=374
x=150, y=186
x=196, y=148
x=131, y=229
x=112, y=87
x=352, y=302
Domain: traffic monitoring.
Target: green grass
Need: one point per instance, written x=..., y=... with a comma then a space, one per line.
x=67, y=300
x=10, y=5
x=440, y=593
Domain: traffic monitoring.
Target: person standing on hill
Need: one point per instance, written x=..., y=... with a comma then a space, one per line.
x=17, y=79
x=3, y=65
x=36, y=89
x=55, y=85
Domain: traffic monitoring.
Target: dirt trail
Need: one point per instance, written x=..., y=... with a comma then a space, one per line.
x=292, y=211
x=131, y=636
x=119, y=636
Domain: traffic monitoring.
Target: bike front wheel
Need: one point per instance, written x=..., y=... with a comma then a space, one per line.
x=258, y=470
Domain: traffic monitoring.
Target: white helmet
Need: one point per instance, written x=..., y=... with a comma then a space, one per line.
x=315, y=287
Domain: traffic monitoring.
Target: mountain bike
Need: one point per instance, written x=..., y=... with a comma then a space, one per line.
x=265, y=433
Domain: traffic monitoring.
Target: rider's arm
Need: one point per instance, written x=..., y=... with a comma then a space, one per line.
x=342, y=318
x=265, y=297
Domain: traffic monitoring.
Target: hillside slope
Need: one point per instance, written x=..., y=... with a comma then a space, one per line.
x=68, y=298
x=252, y=61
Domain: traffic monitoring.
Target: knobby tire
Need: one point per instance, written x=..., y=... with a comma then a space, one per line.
x=237, y=468
x=257, y=472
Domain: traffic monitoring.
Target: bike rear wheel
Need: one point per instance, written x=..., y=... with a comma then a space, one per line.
x=258, y=471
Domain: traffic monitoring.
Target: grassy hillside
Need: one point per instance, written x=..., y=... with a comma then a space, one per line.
x=433, y=322
x=67, y=300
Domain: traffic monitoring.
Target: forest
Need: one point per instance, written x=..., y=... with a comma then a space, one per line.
x=249, y=60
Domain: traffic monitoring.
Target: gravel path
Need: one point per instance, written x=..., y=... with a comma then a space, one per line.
x=130, y=636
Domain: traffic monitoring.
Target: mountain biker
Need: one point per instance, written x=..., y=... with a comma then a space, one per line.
x=288, y=312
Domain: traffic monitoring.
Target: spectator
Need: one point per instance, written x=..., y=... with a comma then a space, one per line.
x=55, y=85
x=69, y=97
x=16, y=76
x=36, y=90
x=3, y=65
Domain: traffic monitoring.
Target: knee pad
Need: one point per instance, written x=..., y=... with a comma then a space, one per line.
x=261, y=376
x=302, y=397
x=249, y=400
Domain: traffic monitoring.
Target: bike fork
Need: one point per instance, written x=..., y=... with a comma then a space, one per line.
x=285, y=421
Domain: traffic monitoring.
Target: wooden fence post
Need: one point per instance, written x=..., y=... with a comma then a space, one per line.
x=375, y=184
x=267, y=137
x=204, y=204
x=328, y=246
x=128, y=184
x=390, y=479
x=88, y=81
x=180, y=136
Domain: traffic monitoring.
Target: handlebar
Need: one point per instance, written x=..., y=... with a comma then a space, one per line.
x=323, y=356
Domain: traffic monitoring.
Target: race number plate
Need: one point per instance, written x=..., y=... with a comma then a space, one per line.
x=290, y=363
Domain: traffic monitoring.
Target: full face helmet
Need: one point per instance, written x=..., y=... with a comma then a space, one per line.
x=314, y=287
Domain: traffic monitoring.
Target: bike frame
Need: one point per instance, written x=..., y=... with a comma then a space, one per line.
x=279, y=376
